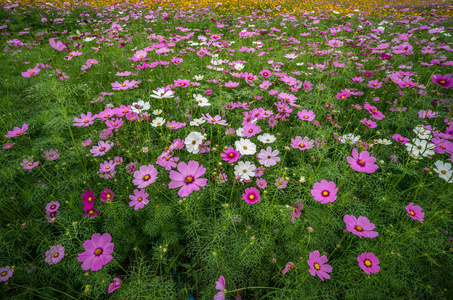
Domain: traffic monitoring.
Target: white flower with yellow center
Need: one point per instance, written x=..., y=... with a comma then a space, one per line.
x=444, y=171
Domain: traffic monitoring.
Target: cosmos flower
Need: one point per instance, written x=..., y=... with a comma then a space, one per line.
x=54, y=255
x=17, y=131
x=268, y=157
x=139, y=199
x=251, y=195
x=145, y=176
x=114, y=285
x=220, y=285
x=445, y=81
x=318, y=265
x=368, y=262
x=187, y=178
x=98, y=252
x=324, y=191
x=415, y=212
x=360, y=226
x=363, y=162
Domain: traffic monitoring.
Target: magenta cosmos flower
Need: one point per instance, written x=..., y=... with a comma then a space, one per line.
x=415, y=212
x=97, y=253
x=139, y=199
x=360, y=227
x=220, y=285
x=106, y=195
x=88, y=198
x=305, y=115
x=251, y=195
x=6, y=273
x=268, y=157
x=231, y=155
x=445, y=81
x=363, y=162
x=368, y=262
x=324, y=191
x=114, y=285
x=145, y=176
x=188, y=178
x=296, y=210
x=52, y=206
x=318, y=265
x=54, y=255
x=17, y=131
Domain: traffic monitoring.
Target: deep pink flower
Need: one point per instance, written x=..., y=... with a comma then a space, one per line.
x=145, y=176
x=324, y=191
x=139, y=199
x=17, y=131
x=360, y=227
x=363, y=162
x=31, y=72
x=175, y=125
x=445, y=81
x=231, y=155
x=88, y=199
x=400, y=139
x=368, y=262
x=182, y=82
x=188, y=178
x=86, y=143
x=54, y=255
x=376, y=114
x=251, y=195
x=52, y=206
x=318, y=265
x=91, y=213
x=106, y=195
x=220, y=285
x=97, y=253
x=268, y=157
x=343, y=95
x=415, y=212
x=296, y=210
x=85, y=120
x=114, y=285
x=305, y=115
x=6, y=273
x=369, y=123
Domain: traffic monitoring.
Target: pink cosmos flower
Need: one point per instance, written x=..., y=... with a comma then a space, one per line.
x=289, y=266
x=400, y=139
x=214, y=120
x=296, y=210
x=114, y=285
x=363, y=162
x=415, y=212
x=261, y=183
x=305, y=115
x=91, y=213
x=445, y=81
x=52, y=206
x=222, y=177
x=106, y=195
x=175, y=125
x=7, y=145
x=231, y=84
x=145, y=176
x=302, y=144
x=31, y=72
x=188, y=178
x=281, y=183
x=360, y=227
x=318, y=265
x=101, y=149
x=324, y=191
x=6, y=273
x=423, y=114
x=123, y=86
x=250, y=129
x=88, y=198
x=265, y=73
x=368, y=262
x=29, y=164
x=369, y=123
x=268, y=157
x=17, y=131
x=182, y=82
x=220, y=285
x=251, y=195
x=85, y=120
x=167, y=162
x=107, y=166
x=72, y=55
x=54, y=255
x=139, y=199
x=51, y=154
x=373, y=111
x=57, y=46
x=86, y=143
x=375, y=84
x=343, y=95
x=97, y=253
x=231, y=155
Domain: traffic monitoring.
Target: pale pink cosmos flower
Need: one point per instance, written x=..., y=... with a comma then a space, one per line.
x=296, y=210
x=188, y=178
x=363, y=162
x=289, y=266
x=305, y=115
x=29, y=164
x=368, y=262
x=139, y=199
x=98, y=252
x=302, y=144
x=324, y=191
x=415, y=212
x=6, y=273
x=214, y=120
x=360, y=226
x=145, y=176
x=85, y=120
x=318, y=265
x=101, y=149
x=56, y=45
x=268, y=157
x=51, y=154
x=114, y=285
x=220, y=285
x=281, y=183
x=17, y=131
x=54, y=255
x=31, y=72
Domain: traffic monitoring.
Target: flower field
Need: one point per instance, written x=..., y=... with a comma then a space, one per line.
x=226, y=150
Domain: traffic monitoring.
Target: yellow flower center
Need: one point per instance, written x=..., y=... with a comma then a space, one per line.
x=231, y=155
x=317, y=267
x=194, y=142
x=443, y=172
x=442, y=82
x=98, y=251
x=245, y=147
x=146, y=177
x=325, y=193
x=4, y=273
x=361, y=162
x=188, y=179
x=251, y=197
x=367, y=263
x=108, y=167
x=412, y=213
x=19, y=132
x=123, y=84
x=245, y=170
x=56, y=254
x=359, y=228
x=140, y=199
x=419, y=147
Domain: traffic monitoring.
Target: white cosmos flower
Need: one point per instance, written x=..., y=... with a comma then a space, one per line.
x=157, y=112
x=198, y=77
x=239, y=132
x=158, y=122
x=384, y=142
x=89, y=39
x=245, y=170
x=162, y=94
x=197, y=122
x=419, y=148
x=245, y=147
x=193, y=141
x=266, y=138
x=239, y=66
x=444, y=171
x=350, y=138
x=201, y=101
x=138, y=107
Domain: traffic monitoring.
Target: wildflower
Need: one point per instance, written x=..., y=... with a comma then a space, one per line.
x=101, y=149
x=400, y=139
x=350, y=138
x=8, y=145
x=6, y=273
x=245, y=147
x=363, y=162
x=281, y=183
x=123, y=86
x=420, y=148
x=91, y=213
x=106, y=195
x=369, y=123
x=86, y=143
x=88, y=198
x=374, y=84
x=201, y=101
x=222, y=177
x=56, y=45
x=360, y=227
x=31, y=72
x=251, y=195
x=384, y=142
x=214, y=120
x=162, y=93
x=250, y=130
x=145, y=176
x=415, y=212
x=374, y=112
x=193, y=141
x=114, y=285
x=54, y=255
x=289, y=266
x=97, y=252
x=444, y=170
x=318, y=265
x=17, y=131
x=139, y=199
x=266, y=138
x=52, y=206
x=140, y=106
x=175, y=125
x=197, y=122
x=296, y=210
x=245, y=170
x=230, y=155
x=368, y=262
x=305, y=115
x=268, y=157
x=220, y=285
x=29, y=164
x=188, y=178
x=324, y=191
x=445, y=81
x=302, y=144
x=261, y=183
